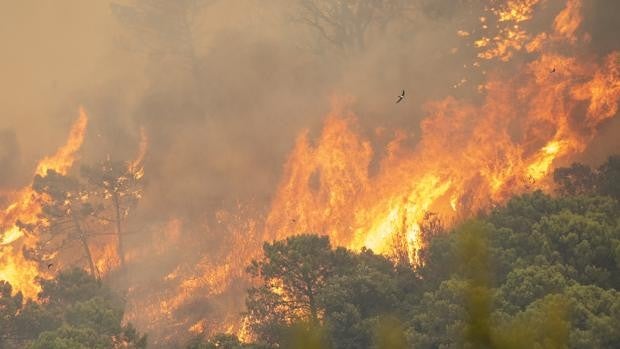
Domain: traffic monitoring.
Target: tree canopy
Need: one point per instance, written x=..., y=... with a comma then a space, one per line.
x=73, y=310
x=540, y=271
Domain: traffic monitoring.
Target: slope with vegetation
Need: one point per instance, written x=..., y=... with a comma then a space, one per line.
x=542, y=271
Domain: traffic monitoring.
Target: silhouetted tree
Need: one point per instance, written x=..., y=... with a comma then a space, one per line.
x=293, y=272
x=66, y=208
x=346, y=24
x=334, y=297
x=162, y=27
x=537, y=272
x=118, y=185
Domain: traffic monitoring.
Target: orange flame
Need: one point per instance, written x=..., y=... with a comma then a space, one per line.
x=567, y=22
x=135, y=166
x=516, y=10
x=510, y=37
x=63, y=159
x=25, y=209
x=468, y=156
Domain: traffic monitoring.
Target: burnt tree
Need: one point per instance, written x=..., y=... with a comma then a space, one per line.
x=162, y=28
x=66, y=209
x=347, y=24
x=116, y=185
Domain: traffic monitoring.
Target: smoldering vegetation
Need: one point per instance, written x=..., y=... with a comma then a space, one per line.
x=221, y=89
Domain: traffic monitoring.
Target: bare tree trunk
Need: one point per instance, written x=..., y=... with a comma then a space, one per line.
x=91, y=263
x=121, y=249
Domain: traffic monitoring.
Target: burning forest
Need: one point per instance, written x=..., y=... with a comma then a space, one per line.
x=237, y=174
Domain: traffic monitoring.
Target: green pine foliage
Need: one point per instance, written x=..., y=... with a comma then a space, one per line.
x=543, y=271
x=73, y=311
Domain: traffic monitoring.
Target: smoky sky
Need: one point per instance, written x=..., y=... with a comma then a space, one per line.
x=9, y=157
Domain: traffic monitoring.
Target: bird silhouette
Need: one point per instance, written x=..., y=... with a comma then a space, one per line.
x=401, y=97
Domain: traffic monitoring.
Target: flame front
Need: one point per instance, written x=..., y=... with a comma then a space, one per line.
x=468, y=157
x=25, y=209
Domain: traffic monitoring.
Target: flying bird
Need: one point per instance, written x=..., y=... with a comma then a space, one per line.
x=50, y=265
x=553, y=70
x=401, y=97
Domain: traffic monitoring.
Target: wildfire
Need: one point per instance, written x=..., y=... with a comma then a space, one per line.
x=135, y=166
x=106, y=257
x=516, y=10
x=25, y=209
x=63, y=159
x=567, y=22
x=510, y=36
x=467, y=158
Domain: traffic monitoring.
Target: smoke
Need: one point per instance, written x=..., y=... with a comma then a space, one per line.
x=9, y=157
x=222, y=88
